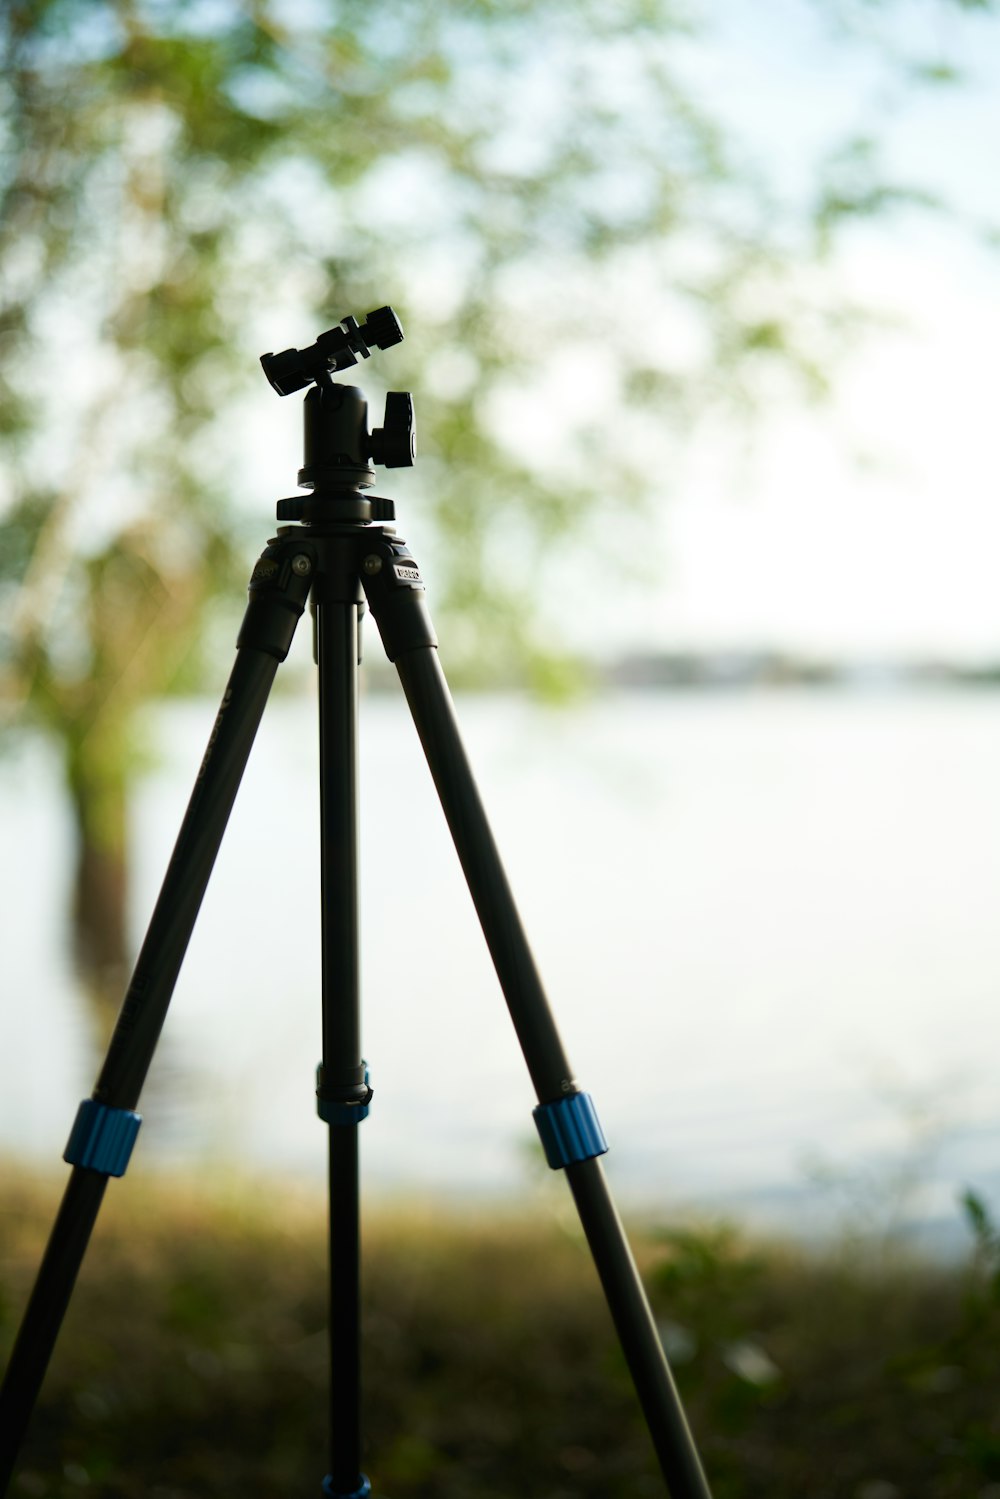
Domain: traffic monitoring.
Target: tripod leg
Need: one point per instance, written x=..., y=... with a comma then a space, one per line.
x=342, y=1083
x=106, y=1126
x=565, y=1117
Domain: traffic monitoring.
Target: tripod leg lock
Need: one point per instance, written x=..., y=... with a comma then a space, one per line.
x=570, y=1130
x=329, y=1492
x=343, y=1104
x=395, y=593
x=102, y=1138
x=279, y=587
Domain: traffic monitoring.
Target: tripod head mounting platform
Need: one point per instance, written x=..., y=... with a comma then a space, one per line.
x=337, y=349
x=339, y=449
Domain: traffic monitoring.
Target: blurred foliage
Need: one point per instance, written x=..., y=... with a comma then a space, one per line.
x=184, y=183
x=195, y=1361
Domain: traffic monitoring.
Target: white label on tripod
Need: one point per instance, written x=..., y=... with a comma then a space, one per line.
x=409, y=575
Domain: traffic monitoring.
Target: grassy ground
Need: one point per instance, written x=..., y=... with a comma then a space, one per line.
x=193, y=1359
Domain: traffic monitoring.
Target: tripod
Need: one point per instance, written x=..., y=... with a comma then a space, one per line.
x=339, y=551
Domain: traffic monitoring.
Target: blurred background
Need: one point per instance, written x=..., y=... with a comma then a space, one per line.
x=701, y=312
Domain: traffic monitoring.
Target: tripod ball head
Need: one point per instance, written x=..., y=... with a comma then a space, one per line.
x=337, y=349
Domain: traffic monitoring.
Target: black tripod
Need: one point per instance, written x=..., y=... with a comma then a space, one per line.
x=339, y=550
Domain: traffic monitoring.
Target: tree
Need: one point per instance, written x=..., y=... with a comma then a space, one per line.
x=185, y=183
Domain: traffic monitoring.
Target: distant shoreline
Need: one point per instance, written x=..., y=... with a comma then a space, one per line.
x=714, y=671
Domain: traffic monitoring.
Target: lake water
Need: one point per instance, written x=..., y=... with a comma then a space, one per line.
x=768, y=923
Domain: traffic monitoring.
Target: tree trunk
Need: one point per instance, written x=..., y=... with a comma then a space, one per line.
x=98, y=786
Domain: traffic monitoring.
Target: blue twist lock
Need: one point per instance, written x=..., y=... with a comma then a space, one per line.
x=570, y=1130
x=329, y=1492
x=343, y=1111
x=102, y=1138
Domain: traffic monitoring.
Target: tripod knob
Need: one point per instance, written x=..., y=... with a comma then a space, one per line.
x=395, y=444
x=382, y=328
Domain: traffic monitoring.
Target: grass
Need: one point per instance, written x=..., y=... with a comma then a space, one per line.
x=193, y=1361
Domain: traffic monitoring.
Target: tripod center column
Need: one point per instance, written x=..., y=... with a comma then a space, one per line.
x=342, y=1089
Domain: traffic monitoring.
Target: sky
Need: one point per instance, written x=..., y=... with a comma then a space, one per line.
x=869, y=526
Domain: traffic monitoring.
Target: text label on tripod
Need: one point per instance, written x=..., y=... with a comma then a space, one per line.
x=226, y=699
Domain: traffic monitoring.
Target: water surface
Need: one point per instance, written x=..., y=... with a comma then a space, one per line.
x=768, y=922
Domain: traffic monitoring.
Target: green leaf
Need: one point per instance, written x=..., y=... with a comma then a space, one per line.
x=978, y=1216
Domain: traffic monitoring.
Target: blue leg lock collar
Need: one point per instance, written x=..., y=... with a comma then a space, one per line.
x=570, y=1130
x=329, y=1492
x=343, y=1106
x=102, y=1138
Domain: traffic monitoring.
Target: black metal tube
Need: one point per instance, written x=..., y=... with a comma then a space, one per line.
x=434, y=716
x=337, y=658
x=45, y=1312
x=186, y=880
x=342, y=1067
x=137, y=1030
x=345, y=1311
x=637, y=1333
